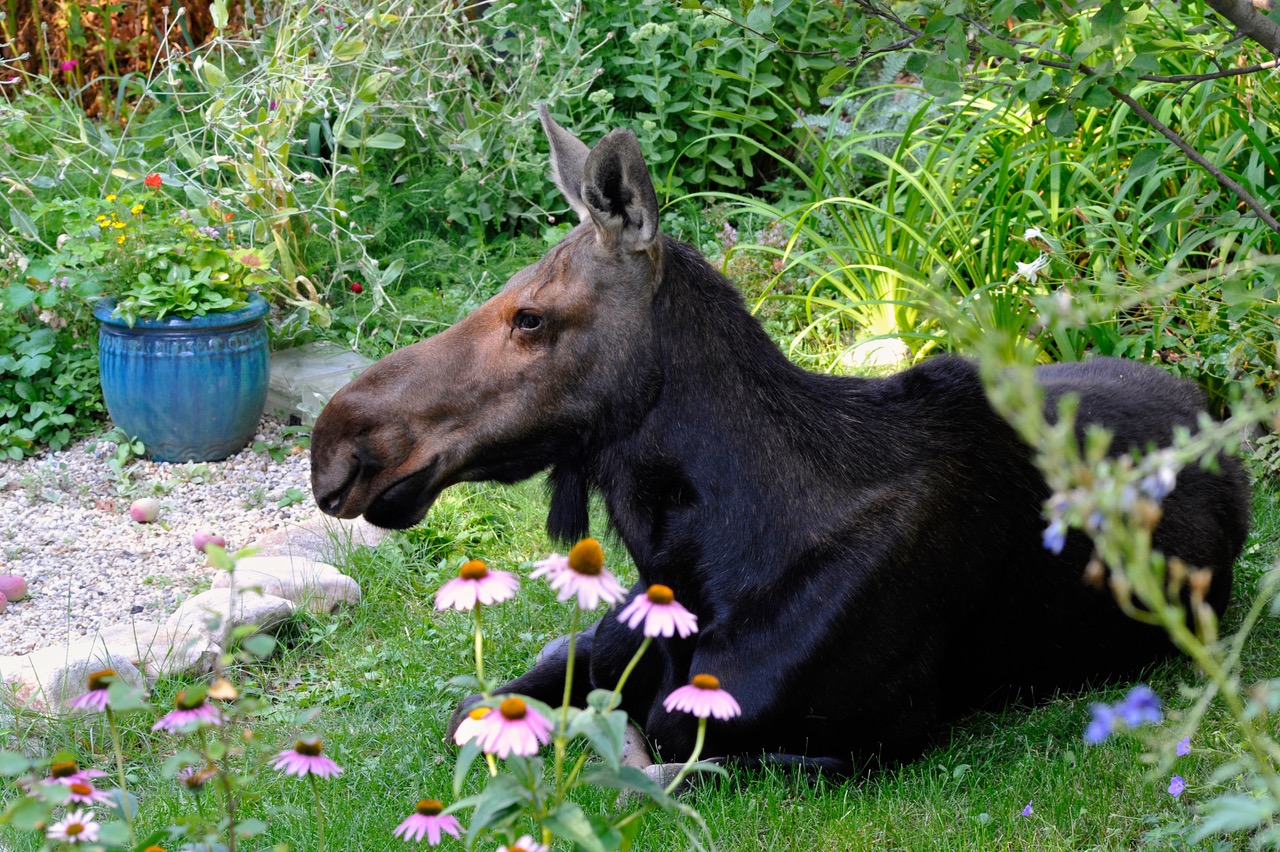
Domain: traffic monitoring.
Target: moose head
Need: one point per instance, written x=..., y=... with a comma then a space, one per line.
x=520, y=383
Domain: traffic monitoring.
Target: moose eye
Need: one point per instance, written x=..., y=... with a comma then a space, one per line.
x=526, y=321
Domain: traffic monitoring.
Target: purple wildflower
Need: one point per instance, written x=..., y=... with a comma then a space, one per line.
x=306, y=758
x=1054, y=537
x=1102, y=724
x=1140, y=706
x=1177, y=786
x=1184, y=746
x=1028, y=811
x=190, y=712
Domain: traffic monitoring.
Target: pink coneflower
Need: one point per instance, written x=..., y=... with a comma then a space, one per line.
x=427, y=820
x=661, y=614
x=703, y=697
x=515, y=729
x=190, y=712
x=475, y=582
x=194, y=779
x=305, y=758
x=525, y=844
x=66, y=772
x=581, y=574
x=84, y=793
x=75, y=827
x=96, y=698
x=469, y=727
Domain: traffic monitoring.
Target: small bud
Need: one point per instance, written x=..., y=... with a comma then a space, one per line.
x=13, y=587
x=204, y=538
x=145, y=510
x=1199, y=581
x=1095, y=573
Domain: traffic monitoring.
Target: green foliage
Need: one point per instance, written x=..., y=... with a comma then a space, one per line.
x=154, y=257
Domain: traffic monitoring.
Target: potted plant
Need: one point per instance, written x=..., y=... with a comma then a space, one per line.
x=183, y=350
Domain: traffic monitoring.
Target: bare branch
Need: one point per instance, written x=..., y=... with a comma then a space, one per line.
x=1250, y=22
x=1196, y=157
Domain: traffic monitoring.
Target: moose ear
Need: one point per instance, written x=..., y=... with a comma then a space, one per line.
x=618, y=192
x=568, y=157
x=608, y=184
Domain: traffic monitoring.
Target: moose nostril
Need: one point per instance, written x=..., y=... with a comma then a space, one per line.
x=331, y=503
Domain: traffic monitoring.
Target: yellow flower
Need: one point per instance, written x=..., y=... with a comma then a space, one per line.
x=111, y=197
x=117, y=224
x=136, y=209
x=120, y=240
x=101, y=220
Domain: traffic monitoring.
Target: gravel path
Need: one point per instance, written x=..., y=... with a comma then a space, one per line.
x=65, y=526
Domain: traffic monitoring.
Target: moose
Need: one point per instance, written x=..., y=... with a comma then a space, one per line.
x=865, y=556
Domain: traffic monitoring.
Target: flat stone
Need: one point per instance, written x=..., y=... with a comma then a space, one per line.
x=47, y=679
x=317, y=586
x=215, y=615
x=322, y=539
x=157, y=651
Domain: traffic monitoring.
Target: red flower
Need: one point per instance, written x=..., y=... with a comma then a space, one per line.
x=357, y=288
x=153, y=180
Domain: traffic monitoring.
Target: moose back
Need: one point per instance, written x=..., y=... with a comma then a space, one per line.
x=864, y=556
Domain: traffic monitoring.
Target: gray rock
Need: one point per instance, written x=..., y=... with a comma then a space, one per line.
x=321, y=539
x=215, y=614
x=317, y=586
x=49, y=678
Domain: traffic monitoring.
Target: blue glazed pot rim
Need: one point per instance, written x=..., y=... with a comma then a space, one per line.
x=252, y=312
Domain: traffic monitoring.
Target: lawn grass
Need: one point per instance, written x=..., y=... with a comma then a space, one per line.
x=379, y=678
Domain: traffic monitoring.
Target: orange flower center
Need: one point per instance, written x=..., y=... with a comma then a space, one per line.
x=63, y=769
x=74, y=829
x=479, y=713
x=513, y=708
x=429, y=807
x=706, y=681
x=154, y=849
x=101, y=679
x=310, y=748
x=587, y=557
x=660, y=594
x=474, y=570
x=81, y=789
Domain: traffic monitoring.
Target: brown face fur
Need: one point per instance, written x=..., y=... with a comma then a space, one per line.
x=499, y=395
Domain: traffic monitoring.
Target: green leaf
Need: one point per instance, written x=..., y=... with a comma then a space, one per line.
x=462, y=767
x=605, y=732
x=1232, y=812
x=998, y=47
x=124, y=698
x=18, y=296
x=260, y=645
x=373, y=84
x=25, y=814
x=941, y=78
x=218, y=11
x=23, y=225
x=760, y=18
x=386, y=140
x=570, y=822
x=628, y=778
x=1143, y=162
x=12, y=763
x=1060, y=120
x=114, y=834
x=250, y=827
x=348, y=50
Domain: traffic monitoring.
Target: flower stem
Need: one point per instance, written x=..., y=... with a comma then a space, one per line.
x=124, y=787
x=315, y=788
x=626, y=673
x=562, y=733
x=484, y=688
x=693, y=758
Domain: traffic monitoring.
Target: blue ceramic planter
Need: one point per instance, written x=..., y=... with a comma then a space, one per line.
x=190, y=390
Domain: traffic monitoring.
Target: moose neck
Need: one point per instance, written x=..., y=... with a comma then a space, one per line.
x=729, y=434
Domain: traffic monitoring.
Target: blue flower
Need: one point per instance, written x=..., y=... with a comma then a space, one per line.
x=1158, y=485
x=1055, y=537
x=1176, y=786
x=1103, y=722
x=1140, y=706
x=1027, y=810
x=1184, y=746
